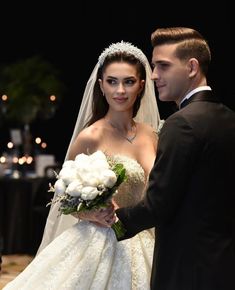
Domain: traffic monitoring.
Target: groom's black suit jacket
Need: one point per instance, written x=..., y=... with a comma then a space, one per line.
x=191, y=199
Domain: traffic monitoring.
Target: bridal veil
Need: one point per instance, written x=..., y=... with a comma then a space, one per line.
x=147, y=113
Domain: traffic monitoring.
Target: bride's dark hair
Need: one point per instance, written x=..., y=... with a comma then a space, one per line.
x=99, y=104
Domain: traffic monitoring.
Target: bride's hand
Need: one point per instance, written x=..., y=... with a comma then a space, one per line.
x=103, y=217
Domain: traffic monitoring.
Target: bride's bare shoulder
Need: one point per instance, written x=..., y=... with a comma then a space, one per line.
x=147, y=134
x=147, y=130
x=146, y=127
x=87, y=140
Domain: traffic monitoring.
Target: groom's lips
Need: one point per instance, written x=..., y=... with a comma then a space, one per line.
x=160, y=87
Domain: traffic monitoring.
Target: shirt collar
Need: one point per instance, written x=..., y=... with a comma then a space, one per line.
x=199, y=89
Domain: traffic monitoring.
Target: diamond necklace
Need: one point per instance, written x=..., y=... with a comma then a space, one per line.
x=130, y=139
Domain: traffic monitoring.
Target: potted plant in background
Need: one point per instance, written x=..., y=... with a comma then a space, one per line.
x=30, y=89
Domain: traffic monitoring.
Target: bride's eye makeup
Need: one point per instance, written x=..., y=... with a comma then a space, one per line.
x=111, y=81
x=128, y=81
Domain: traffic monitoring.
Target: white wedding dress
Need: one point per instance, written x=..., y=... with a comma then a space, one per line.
x=89, y=257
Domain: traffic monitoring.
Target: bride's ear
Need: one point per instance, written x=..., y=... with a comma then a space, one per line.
x=101, y=86
x=142, y=82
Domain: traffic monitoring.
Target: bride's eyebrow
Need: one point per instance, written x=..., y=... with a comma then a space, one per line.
x=126, y=78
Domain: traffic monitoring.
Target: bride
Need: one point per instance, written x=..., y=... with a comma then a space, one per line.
x=119, y=116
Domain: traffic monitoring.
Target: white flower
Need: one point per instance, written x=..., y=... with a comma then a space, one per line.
x=68, y=174
x=90, y=178
x=100, y=164
x=59, y=187
x=81, y=161
x=81, y=158
x=108, y=178
x=98, y=155
x=89, y=192
x=69, y=163
x=74, y=188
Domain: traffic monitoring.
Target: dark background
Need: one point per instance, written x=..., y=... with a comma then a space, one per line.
x=72, y=36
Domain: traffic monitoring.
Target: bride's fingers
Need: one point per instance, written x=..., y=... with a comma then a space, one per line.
x=88, y=215
x=108, y=209
x=112, y=219
x=104, y=216
x=103, y=220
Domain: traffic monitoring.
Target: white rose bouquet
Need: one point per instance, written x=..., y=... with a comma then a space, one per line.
x=88, y=182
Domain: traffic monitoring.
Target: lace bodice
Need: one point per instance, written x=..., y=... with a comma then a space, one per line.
x=132, y=190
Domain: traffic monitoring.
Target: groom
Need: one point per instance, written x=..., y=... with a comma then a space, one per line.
x=190, y=199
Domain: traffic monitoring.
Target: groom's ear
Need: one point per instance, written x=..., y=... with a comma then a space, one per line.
x=193, y=66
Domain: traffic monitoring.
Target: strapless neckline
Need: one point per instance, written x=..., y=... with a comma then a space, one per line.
x=130, y=161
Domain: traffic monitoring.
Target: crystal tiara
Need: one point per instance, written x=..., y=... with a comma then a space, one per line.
x=122, y=47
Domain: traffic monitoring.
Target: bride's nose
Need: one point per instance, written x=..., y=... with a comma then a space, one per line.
x=121, y=88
